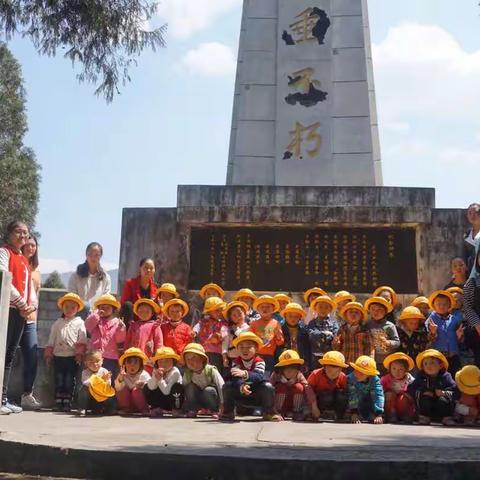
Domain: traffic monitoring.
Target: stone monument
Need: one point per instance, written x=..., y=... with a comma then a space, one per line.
x=304, y=109
x=304, y=203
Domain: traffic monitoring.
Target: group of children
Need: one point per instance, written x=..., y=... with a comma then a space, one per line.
x=337, y=358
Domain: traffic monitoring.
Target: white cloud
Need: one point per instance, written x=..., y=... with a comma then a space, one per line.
x=187, y=17
x=210, y=60
x=422, y=71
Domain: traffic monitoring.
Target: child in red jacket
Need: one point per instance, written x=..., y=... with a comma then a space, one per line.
x=176, y=333
x=329, y=385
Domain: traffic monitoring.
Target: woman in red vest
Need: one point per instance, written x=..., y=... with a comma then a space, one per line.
x=23, y=301
x=139, y=287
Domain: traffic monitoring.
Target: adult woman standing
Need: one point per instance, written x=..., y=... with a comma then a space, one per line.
x=472, y=237
x=471, y=308
x=142, y=286
x=90, y=281
x=23, y=300
x=29, y=341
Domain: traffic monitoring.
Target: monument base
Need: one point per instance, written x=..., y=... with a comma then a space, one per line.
x=291, y=238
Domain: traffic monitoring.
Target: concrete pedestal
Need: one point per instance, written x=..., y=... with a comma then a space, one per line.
x=165, y=234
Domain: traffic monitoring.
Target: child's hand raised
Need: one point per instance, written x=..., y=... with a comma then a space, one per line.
x=337, y=341
x=159, y=373
x=107, y=376
x=461, y=333
x=439, y=393
x=432, y=328
x=245, y=390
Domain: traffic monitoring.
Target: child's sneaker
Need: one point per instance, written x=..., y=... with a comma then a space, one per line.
x=82, y=413
x=191, y=414
x=177, y=413
x=29, y=402
x=156, y=412
x=448, y=421
x=423, y=420
x=203, y=412
x=58, y=407
x=272, y=417
x=214, y=415
x=227, y=417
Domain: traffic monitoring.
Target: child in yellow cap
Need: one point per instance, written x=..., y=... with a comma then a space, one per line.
x=398, y=405
x=130, y=382
x=309, y=296
x=66, y=347
x=202, y=381
x=322, y=329
x=164, y=391
x=353, y=338
x=291, y=387
x=96, y=394
x=329, y=385
x=468, y=406
x=247, y=296
x=366, y=399
x=283, y=300
x=414, y=338
x=384, y=332
x=341, y=298
x=268, y=330
x=447, y=328
x=422, y=304
x=295, y=333
x=246, y=384
x=211, y=331
x=236, y=314
x=166, y=292
x=145, y=332
x=177, y=334
x=434, y=390
x=107, y=331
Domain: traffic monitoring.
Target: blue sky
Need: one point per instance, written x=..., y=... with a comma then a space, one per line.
x=171, y=124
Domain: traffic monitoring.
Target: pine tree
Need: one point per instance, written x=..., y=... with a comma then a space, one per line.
x=19, y=170
x=103, y=36
x=54, y=281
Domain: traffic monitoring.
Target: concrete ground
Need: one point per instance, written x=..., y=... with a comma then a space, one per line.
x=249, y=438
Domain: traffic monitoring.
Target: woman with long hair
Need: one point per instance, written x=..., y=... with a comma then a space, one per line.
x=29, y=340
x=90, y=281
x=23, y=301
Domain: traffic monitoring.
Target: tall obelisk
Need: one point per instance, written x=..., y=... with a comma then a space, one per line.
x=304, y=109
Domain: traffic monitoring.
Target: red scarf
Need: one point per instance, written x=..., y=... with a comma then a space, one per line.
x=21, y=273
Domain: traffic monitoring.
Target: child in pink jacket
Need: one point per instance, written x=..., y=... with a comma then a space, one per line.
x=106, y=331
x=146, y=332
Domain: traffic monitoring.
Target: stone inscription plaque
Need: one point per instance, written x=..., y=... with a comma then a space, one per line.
x=295, y=259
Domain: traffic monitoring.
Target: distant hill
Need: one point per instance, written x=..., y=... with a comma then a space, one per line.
x=65, y=277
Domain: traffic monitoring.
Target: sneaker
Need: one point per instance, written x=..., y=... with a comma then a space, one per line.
x=423, y=420
x=13, y=408
x=82, y=413
x=449, y=421
x=192, y=414
x=4, y=410
x=29, y=402
x=156, y=412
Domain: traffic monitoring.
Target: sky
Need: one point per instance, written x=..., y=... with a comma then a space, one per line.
x=171, y=125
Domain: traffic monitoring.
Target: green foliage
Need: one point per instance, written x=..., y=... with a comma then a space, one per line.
x=19, y=171
x=54, y=281
x=103, y=36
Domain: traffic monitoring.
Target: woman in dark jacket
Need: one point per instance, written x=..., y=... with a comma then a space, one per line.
x=471, y=308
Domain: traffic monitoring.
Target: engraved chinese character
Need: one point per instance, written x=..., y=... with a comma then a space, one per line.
x=304, y=138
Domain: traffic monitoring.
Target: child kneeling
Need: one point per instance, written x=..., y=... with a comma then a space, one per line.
x=164, y=391
x=398, y=405
x=247, y=384
x=130, y=382
x=365, y=393
x=329, y=386
x=291, y=387
x=96, y=394
x=202, y=381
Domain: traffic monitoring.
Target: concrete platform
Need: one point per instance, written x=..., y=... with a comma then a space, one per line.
x=113, y=447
